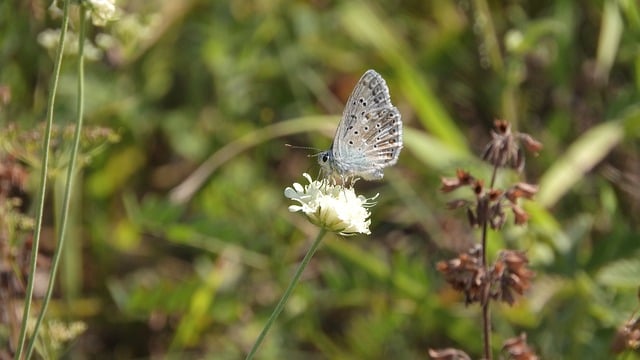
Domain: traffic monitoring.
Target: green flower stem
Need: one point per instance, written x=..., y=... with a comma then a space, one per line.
x=488, y=33
x=287, y=293
x=43, y=182
x=71, y=168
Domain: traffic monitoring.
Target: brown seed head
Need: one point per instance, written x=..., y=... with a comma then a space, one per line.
x=478, y=186
x=518, y=349
x=521, y=190
x=448, y=354
x=510, y=275
x=466, y=274
x=521, y=216
x=504, y=148
x=462, y=178
x=627, y=337
x=530, y=143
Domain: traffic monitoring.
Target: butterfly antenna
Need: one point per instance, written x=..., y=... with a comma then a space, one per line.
x=301, y=147
x=305, y=148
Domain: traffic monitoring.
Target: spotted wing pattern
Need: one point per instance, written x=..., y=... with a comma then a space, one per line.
x=369, y=136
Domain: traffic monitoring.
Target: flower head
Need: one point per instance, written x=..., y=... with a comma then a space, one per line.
x=517, y=348
x=102, y=11
x=50, y=38
x=333, y=207
x=508, y=276
x=504, y=149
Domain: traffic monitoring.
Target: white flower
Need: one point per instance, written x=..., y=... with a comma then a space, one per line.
x=102, y=11
x=50, y=38
x=333, y=207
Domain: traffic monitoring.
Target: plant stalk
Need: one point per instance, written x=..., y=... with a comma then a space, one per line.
x=68, y=184
x=287, y=293
x=43, y=183
x=486, y=313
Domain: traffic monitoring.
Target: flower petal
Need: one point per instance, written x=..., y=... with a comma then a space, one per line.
x=334, y=207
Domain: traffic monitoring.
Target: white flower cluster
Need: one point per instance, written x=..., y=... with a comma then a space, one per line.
x=333, y=207
x=102, y=11
x=50, y=38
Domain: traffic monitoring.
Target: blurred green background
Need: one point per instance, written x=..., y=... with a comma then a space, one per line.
x=182, y=242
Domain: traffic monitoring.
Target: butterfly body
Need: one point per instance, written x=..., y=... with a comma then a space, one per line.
x=369, y=135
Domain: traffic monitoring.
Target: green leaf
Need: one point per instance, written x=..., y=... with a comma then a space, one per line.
x=578, y=160
x=622, y=273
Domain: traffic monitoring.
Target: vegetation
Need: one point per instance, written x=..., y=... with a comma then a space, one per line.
x=178, y=238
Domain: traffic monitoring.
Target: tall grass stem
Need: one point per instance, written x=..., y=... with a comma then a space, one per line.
x=68, y=184
x=43, y=182
x=287, y=293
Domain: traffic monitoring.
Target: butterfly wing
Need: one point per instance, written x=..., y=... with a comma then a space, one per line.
x=369, y=136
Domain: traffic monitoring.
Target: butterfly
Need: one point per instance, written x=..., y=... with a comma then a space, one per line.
x=369, y=135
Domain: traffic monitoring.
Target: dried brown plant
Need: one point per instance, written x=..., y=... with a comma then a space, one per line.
x=469, y=272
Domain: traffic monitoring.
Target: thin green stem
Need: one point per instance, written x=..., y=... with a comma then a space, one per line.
x=492, y=54
x=494, y=175
x=484, y=22
x=43, y=182
x=69, y=183
x=287, y=293
x=486, y=314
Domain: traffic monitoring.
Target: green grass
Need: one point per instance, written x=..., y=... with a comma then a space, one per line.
x=184, y=243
